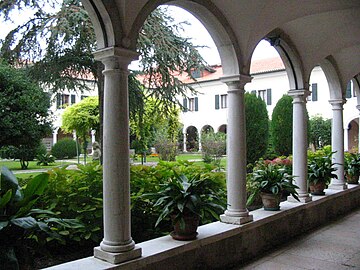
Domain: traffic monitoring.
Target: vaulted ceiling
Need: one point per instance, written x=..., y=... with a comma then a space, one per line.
x=314, y=30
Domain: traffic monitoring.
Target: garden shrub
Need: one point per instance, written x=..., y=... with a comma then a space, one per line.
x=165, y=147
x=213, y=147
x=65, y=148
x=78, y=194
x=281, y=126
x=23, y=153
x=320, y=131
x=257, y=127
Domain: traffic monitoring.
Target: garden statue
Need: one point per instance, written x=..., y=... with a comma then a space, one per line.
x=96, y=151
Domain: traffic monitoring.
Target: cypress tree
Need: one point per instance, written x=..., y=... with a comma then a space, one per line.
x=281, y=126
x=257, y=127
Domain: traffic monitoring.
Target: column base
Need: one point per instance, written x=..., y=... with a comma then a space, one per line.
x=116, y=258
x=338, y=186
x=236, y=220
x=304, y=199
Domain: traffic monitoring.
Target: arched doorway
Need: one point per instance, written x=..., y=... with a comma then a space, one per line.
x=223, y=128
x=207, y=129
x=192, y=139
x=353, y=134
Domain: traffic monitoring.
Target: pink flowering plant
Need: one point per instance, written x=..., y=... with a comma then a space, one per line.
x=272, y=177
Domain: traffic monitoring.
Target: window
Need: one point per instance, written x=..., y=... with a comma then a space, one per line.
x=262, y=94
x=73, y=100
x=196, y=73
x=82, y=97
x=223, y=101
x=314, y=92
x=348, y=90
x=191, y=104
x=217, y=103
x=62, y=100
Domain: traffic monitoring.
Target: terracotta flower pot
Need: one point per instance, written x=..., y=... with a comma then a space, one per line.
x=352, y=179
x=270, y=201
x=188, y=231
x=317, y=189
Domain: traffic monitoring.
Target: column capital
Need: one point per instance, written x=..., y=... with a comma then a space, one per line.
x=115, y=57
x=236, y=81
x=299, y=95
x=337, y=104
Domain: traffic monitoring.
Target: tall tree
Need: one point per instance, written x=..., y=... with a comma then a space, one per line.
x=281, y=126
x=23, y=122
x=69, y=41
x=257, y=127
x=82, y=117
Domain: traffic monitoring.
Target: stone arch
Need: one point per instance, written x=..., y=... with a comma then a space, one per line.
x=102, y=15
x=207, y=129
x=356, y=85
x=223, y=128
x=336, y=86
x=290, y=57
x=192, y=139
x=212, y=19
x=352, y=127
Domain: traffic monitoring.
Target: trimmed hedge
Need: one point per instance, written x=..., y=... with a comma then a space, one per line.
x=65, y=148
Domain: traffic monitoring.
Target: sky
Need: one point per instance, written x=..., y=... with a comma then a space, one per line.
x=200, y=36
x=195, y=31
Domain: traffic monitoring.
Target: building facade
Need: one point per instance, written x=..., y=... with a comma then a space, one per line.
x=208, y=107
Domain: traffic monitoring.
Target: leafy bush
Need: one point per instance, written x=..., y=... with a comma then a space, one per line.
x=320, y=166
x=65, y=148
x=213, y=147
x=165, y=147
x=22, y=152
x=281, y=126
x=78, y=194
x=320, y=131
x=21, y=222
x=45, y=159
x=41, y=149
x=257, y=127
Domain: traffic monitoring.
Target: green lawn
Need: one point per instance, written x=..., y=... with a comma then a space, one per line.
x=15, y=165
x=188, y=156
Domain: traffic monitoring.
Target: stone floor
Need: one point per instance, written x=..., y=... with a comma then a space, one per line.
x=335, y=246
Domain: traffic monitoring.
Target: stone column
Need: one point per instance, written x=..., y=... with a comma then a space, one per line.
x=358, y=107
x=55, y=133
x=200, y=146
x=337, y=144
x=300, y=143
x=346, y=138
x=236, y=212
x=184, y=144
x=117, y=245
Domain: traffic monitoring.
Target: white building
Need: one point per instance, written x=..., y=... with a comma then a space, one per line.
x=208, y=107
x=59, y=104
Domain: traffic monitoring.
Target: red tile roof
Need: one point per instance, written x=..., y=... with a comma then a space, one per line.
x=258, y=66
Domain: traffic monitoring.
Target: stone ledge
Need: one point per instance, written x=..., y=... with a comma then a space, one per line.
x=219, y=244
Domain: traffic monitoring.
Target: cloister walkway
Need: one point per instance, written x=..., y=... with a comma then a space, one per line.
x=335, y=246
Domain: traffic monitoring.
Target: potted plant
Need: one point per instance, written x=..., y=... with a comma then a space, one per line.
x=270, y=181
x=186, y=202
x=19, y=221
x=320, y=172
x=352, y=168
